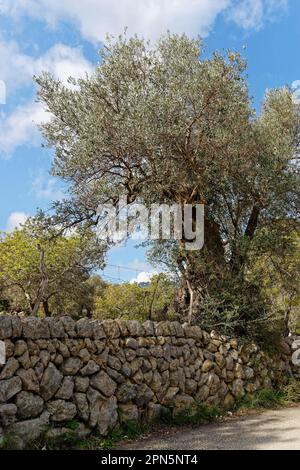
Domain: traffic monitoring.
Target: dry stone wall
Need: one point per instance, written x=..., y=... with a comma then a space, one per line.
x=104, y=373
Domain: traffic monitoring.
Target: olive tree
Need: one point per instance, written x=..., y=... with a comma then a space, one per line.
x=162, y=124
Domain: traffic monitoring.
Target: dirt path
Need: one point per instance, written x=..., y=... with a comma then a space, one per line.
x=269, y=430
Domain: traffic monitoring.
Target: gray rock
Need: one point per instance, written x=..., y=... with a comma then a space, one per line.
x=90, y=369
x=71, y=366
x=238, y=388
x=84, y=328
x=154, y=411
x=50, y=382
x=65, y=392
x=17, y=327
x=24, y=432
x=108, y=417
x=96, y=401
x=35, y=328
x=9, y=388
x=29, y=380
x=29, y=405
x=20, y=347
x=98, y=331
x=135, y=328
x=25, y=361
x=56, y=327
x=114, y=363
x=84, y=355
x=9, y=369
x=5, y=327
x=69, y=326
x=128, y=412
x=126, y=392
x=111, y=328
x=7, y=414
x=61, y=410
x=45, y=357
x=82, y=405
x=144, y=395
x=102, y=382
x=149, y=328
x=81, y=384
x=131, y=343
x=203, y=393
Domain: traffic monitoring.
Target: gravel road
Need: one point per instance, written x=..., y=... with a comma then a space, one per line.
x=269, y=430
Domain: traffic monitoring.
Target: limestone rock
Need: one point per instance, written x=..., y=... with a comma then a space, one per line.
x=228, y=401
x=82, y=406
x=128, y=412
x=144, y=395
x=61, y=410
x=24, y=432
x=154, y=411
x=238, y=388
x=71, y=366
x=102, y=382
x=20, y=348
x=81, y=384
x=9, y=388
x=90, y=369
x=207, y=365
x=29, y=380
x=84, y=328
x=135, y=328
x=56, y=327
x=35, y=328
x=50, y=382
x=126, y=392
x=65, y=392
x=5, y=327
x=203, y=393
x=169, y=397
x=7, y=414
x=69, y=326
x=29, y=405
x=9, y=369
x=111, y=328
x=108, y=417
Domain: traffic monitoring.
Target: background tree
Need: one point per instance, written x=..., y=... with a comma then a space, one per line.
x=132, y=301
x=52, y=272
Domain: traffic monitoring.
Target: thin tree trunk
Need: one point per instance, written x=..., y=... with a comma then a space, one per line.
x=43, y=283
x=46, y=308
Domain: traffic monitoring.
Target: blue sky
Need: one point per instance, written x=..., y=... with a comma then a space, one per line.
x=64, y=37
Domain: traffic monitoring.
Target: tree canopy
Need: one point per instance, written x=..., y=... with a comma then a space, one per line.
x=163, y=124
x=37, y=269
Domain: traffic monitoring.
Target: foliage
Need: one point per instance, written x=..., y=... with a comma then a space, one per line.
x=263, y=398
x=132, y=301
x=292, y=391
x=39, y=269
x=162, y=124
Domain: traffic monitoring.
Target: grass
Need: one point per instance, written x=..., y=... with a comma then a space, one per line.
x=264, y=398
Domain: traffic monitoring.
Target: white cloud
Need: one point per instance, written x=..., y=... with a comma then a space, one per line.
x=45, y=187
x=95, y=18
x=20, y=127
x=142, y=277
x=15, y=220
x=17, y=68
x=252, y=14
x=150, y=18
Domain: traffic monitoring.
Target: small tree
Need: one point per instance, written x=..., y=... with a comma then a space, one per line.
x=46, y=270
